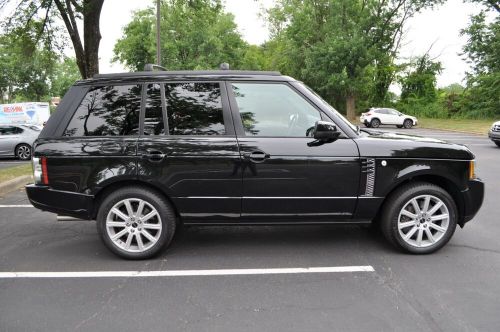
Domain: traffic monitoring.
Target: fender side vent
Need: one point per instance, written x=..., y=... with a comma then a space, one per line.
x=368, y=168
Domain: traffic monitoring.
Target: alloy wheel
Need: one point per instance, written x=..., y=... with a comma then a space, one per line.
x=24, y=152
x=133, y=225
x=423, y=221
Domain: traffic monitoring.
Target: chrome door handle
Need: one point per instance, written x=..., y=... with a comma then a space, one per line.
x=154, y=155
x=257, y=156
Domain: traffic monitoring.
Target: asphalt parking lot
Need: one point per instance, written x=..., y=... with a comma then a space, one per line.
x=455, y=289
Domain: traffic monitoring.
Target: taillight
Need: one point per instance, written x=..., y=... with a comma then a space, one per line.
x=40, y=173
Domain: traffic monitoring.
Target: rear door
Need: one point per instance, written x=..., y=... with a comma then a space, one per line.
x=189, y=149
x=286, y=174
x=9, y=138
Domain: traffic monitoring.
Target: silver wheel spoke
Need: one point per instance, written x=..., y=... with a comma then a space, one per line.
x=139, y=209
x=410, y=233
x=139, y=241
x=152, y=226
x=130, y=211
x=437, y=228
x=429, y=235
x=406, y=224
x=427, y=200
x=148, y=236
x=119, y=234
x=408, y=214
x=129, y=240
x=149, y=216
x=435, y=208
x=419, y=236
x=414, y=203
x=116, y=224
x=119, y=214
x=439, y=217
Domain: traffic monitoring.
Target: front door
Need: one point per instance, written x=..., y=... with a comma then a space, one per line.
x=286, y=176
x=189, y=149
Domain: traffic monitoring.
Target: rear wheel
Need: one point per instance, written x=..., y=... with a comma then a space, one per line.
x=408, y=124
x=23, y=152
x=135, y=222
x=419, y=218
x=497, y=143
x=375, y=123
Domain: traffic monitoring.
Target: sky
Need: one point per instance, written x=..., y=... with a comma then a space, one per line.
x=439, y=27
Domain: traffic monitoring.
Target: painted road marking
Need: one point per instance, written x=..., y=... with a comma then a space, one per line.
x=185, y=273
x=16, y=206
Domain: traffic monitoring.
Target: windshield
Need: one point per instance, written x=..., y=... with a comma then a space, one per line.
x=330, y=107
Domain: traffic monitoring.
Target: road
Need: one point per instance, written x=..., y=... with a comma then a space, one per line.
x=455, y=289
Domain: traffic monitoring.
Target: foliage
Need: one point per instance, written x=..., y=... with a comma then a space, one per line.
x=65, y=74
x=72, y=12
x=195, y=35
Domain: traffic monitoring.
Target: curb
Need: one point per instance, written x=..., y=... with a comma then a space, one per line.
x=11, y=185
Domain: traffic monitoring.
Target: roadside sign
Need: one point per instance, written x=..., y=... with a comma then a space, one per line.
x=32, y=113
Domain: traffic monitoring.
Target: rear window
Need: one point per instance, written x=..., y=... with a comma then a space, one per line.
x=107, y=111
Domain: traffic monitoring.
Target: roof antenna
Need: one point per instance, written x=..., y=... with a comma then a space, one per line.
x=224, y=66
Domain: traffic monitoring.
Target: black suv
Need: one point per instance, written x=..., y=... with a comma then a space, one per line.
x=144, y=152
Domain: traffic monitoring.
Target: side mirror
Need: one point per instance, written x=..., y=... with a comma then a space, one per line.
x=325, y=131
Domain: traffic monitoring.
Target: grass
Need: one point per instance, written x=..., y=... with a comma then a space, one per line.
x=462, y=125
x=13, y=172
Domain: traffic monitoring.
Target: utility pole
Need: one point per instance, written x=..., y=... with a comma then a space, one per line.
x=158, y=52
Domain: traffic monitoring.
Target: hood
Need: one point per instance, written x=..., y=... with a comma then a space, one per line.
x=380, y=144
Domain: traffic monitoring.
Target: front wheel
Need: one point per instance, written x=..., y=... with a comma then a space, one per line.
x=497, y=143
x=408, y=124
x=419, y=218
x=135, y=222
x=375, y=123
x=399, y=126
x=23, y=152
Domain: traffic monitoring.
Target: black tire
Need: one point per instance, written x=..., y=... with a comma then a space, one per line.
x=397, y=201
x=399, y=126
x=408, y=124
x=23, y=151
x=166, y=215
x=367, y=125
x=375, y=123
x=498, y=144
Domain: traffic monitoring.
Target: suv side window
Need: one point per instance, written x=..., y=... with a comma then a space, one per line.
x=107, y=111
x=194, y=109
x=274, y=110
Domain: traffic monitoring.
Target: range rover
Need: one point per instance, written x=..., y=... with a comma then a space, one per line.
x=143, y=153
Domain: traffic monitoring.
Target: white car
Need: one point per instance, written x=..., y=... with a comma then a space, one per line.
x=375, y=117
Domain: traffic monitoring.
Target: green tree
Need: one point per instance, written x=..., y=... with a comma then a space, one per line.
x=65, y=74
x=419, y=79
x=335, y=46
x=195, y=34
x=72, y=12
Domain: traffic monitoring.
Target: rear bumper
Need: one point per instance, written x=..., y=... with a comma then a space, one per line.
x=61, y=202
x=473, y=199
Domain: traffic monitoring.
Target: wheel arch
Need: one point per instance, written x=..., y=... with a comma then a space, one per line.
x=439, y=180
x=102, y=192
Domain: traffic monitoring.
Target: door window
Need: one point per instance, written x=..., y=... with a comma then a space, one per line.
x=274, y=110
x=194, y=109
x=10, y=130
x=107, y=111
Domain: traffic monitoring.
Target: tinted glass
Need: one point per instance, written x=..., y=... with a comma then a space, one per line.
x=153, y=119
x=274, y=110
x=107, y=111
x=10, y=130
x=194, y=109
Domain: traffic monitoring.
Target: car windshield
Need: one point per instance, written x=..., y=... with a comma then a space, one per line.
x=330, y=107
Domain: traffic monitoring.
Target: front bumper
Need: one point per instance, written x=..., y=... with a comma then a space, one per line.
x=61, y=202
x=494, y=135
x=473, y=199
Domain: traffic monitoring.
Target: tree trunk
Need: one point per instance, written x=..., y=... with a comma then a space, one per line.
x=92, y=35
x=351, y=106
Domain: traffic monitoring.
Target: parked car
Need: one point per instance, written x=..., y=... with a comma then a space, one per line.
x=144, y=152
x=494, y=133
x=374, y=117
x=17, y=140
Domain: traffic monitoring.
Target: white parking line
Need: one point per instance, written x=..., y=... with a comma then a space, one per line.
x=16, y=206
x=185, y=273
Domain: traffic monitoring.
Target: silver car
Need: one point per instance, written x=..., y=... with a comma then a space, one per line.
x=494, y=133
x=16, y=140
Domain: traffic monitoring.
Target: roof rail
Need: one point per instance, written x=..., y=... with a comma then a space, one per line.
x=153, y=67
